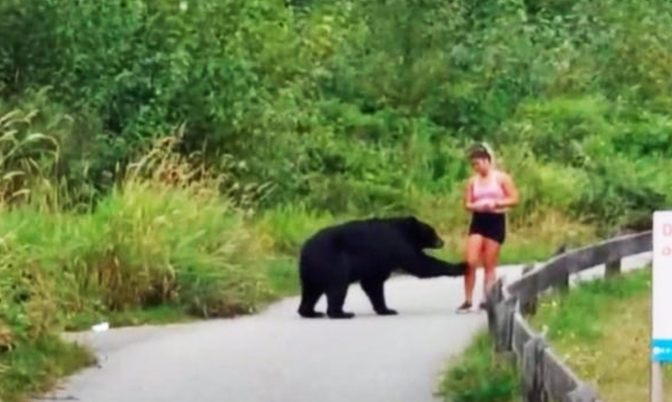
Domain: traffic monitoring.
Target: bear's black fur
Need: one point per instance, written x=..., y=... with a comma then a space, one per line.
x=366, y=251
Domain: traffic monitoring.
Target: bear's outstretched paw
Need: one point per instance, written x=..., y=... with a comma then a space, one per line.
x=341, y=315
x=387, y=311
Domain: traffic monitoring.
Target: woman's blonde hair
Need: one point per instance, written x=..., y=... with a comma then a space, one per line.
x=482, y=150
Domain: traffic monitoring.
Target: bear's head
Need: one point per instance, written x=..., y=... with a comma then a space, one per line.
x=421, y=234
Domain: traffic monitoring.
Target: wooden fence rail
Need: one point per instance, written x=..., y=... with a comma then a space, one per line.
x=545, y=376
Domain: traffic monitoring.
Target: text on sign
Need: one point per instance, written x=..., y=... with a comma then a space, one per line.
x=667, y=232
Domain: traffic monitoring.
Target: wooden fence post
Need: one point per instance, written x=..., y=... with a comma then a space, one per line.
x=505, y=311
x=563, y=286
x=492, y=299
x=533, y=369
x=528, y=302
x=612, y=268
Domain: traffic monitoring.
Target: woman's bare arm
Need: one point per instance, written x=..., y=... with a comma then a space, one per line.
x=512, y=197
x=469, y=205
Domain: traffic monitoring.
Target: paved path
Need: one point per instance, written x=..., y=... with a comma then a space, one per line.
x=277, y=357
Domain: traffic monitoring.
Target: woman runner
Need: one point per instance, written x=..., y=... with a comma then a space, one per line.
x=489, y=194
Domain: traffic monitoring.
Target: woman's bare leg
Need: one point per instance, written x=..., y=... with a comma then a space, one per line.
x=473, y=258
x=490, y=261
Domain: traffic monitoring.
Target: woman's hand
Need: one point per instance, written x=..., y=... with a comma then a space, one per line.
x=486, y=205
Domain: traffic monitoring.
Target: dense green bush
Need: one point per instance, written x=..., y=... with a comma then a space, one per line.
x=355, y=105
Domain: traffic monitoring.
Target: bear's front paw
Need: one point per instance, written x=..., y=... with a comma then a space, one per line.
x=387, y=311
x=340, y=315
x=310, y=314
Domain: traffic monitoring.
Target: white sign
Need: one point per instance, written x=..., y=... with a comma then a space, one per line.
x=661, y=298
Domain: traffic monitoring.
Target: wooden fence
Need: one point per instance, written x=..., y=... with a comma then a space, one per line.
x=545, y=376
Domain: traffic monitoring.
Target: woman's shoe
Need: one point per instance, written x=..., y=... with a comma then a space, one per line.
x=464, y=307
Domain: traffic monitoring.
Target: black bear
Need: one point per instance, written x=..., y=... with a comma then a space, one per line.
x=366, y=251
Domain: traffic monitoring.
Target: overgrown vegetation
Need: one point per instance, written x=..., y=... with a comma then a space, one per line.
x=586, y=327
x=356, y=106
x=481, y=375
x=172, y=154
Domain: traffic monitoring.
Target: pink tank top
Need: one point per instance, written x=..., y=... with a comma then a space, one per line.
x=488, y=190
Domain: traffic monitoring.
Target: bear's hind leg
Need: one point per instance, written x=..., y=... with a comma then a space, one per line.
x=310, y=294
x=335, y=300
x=374, y=289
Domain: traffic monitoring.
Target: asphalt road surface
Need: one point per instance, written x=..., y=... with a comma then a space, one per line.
x=275, y=356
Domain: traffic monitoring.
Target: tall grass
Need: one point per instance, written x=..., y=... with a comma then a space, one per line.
x=165, y=236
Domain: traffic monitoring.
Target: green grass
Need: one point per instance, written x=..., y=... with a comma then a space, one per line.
x=480, y=375
x=602, y=322
x=283, y=275
x=164, y=314
x=569, y=316
x=595, y=324
x=589, y=345
x=35, y=367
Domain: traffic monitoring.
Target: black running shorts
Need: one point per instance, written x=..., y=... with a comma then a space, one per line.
x=490, y=225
